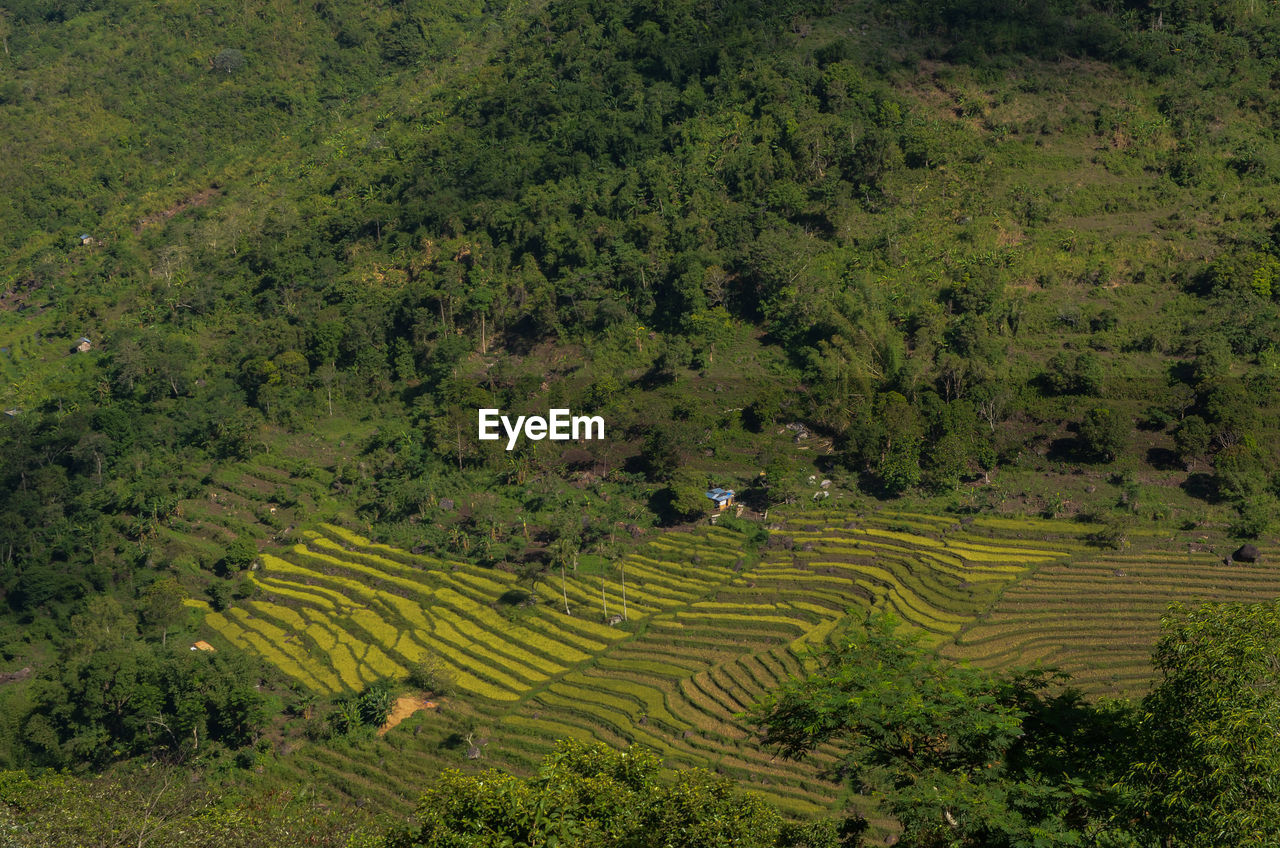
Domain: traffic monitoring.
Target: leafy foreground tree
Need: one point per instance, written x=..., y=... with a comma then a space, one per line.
x=967, y=758
x=1208, y=771
x=958, y=756
x=590, y=795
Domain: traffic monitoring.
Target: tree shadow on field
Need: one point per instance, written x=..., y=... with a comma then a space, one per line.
x=1163, y=459
x=453, y=742
x=1203, y=486
x=514, y=597
x=1066, y=449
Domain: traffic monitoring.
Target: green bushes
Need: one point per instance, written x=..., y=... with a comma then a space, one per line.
x=1103, y=433
x=368, y=709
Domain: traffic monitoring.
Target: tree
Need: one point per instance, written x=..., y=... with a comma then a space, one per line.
x=1209, y=767
x=590, y=795
x=1239, y=471
x=661, y=457
x=376, y=703
x=1078, y=374
x=687, y=491
x=431, y=674
x=764, y=410
x=162, y=605
x=1103, y=433
x=239, y=555
x=899, y=465
x=1191, y=439
x=111, y=696
x=945, y=461
x=779, y=482
x=958, y=756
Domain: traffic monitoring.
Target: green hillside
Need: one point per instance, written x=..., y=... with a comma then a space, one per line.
x=973, y=304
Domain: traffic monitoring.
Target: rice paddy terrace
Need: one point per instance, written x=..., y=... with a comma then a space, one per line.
x=1097, y=616
x=708, y=629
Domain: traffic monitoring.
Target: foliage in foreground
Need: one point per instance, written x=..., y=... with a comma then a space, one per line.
x=589, y=795
x=959, y=757
x=1208, y=771
x=962, y=757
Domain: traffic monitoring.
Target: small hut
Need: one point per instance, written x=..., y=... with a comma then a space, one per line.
x=722, y=498
x=83, y=345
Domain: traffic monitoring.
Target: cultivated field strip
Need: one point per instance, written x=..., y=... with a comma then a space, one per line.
x=935, y=573
x=1098, y=617
x=710, y=627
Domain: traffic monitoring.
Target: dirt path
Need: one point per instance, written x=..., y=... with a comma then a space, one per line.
x=406, y=705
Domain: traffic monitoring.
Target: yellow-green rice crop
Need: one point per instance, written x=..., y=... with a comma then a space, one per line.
x=550, y=647
x=816, y=636
x=267, y=609
x=467, y=580
x=382, y=665
x=504, y=631
x=498, y=644
x=410, y=611
x=268, y=642
x=727, y=616
x=328, y=547
x=347, y=667
x=713, y=605
x=486, y=662
x=825, y=612
x=378, y=629
x=556, y=633
x=295, y=591
x=276, y=565
x=411, y=586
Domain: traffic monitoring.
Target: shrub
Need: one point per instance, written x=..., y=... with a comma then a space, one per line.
x=1102, y=433
x=1191, y=439
x=219, y=595
x=239, y=555
x=1078, y=374
x=1254, y=516
x=430, y=674
x=1114, y=533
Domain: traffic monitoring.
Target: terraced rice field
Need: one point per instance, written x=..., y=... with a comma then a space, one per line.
x=1098, y=616
x=708, y=630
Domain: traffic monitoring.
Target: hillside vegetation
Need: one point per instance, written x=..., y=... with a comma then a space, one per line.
x=957, y=246
x=942, y=262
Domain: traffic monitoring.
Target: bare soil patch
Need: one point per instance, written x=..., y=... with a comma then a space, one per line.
x=406, y=705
